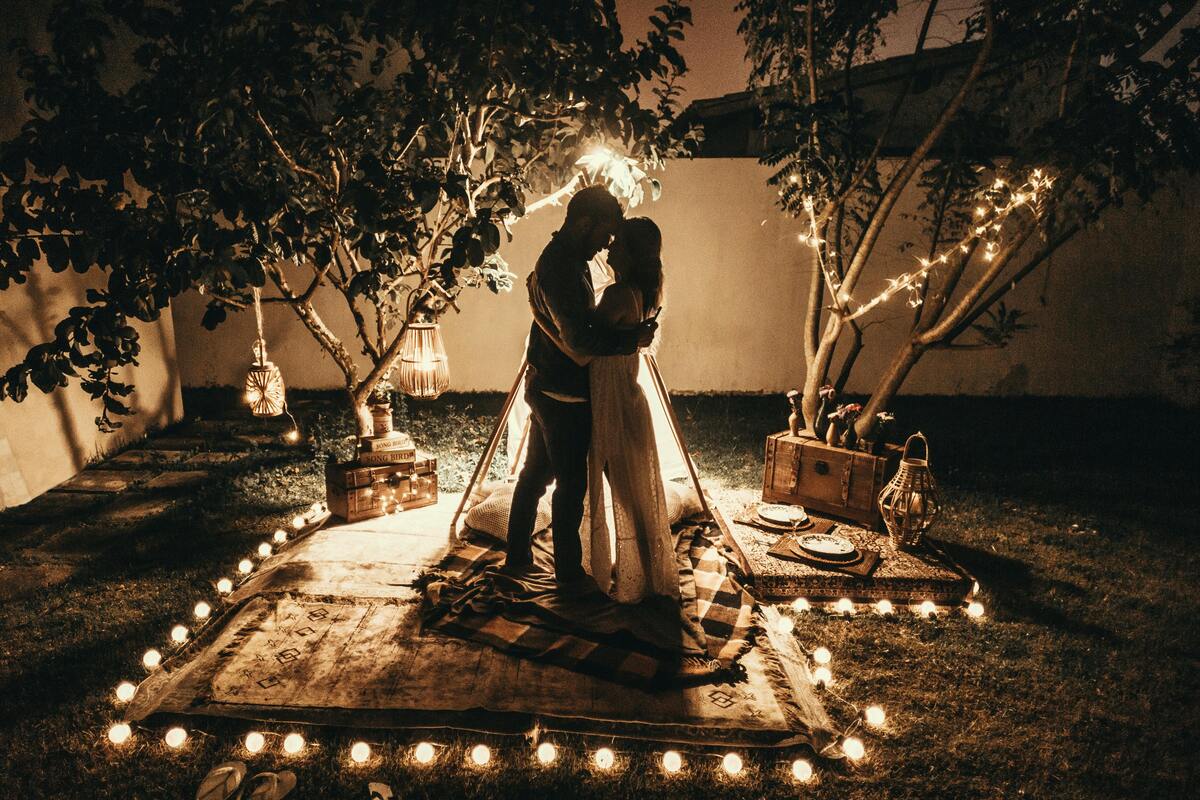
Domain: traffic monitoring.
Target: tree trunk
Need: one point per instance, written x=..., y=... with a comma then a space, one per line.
x=889, y=384
x=363, y=424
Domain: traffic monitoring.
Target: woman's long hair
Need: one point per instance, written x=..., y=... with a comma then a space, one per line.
x=644, y=240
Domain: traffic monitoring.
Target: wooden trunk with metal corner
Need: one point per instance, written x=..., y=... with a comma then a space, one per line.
x=803, y=470
x=356, y=492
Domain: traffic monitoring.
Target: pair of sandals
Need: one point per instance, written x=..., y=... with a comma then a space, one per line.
x=227, y=781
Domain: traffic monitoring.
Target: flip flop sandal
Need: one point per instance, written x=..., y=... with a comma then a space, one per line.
x=222, y=781
x=270, y=786
x=380, y=791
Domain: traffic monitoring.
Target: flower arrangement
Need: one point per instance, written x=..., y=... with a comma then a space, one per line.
x=841, y=425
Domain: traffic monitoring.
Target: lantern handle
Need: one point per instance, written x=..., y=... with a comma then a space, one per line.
x=918, y=435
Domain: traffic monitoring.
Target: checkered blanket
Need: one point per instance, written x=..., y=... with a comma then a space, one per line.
x=655, y=643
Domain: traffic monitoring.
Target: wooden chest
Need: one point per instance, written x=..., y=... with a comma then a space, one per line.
x=354, y=491
x=844, y=483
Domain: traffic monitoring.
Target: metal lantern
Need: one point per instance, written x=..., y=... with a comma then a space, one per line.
x=910, y=502
x=264, y=385
x=423, y=371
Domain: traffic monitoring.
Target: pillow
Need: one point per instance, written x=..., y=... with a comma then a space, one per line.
x=489, y=515
x=682, y=501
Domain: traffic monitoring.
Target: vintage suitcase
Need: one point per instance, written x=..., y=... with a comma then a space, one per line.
x=832, y=480
x=355, y=492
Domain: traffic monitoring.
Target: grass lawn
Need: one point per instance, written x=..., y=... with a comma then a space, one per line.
x=1078, y=517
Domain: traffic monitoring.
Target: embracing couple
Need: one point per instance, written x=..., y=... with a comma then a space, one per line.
x=589, y=418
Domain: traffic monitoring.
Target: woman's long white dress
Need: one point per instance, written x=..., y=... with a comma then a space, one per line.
x=625, y=452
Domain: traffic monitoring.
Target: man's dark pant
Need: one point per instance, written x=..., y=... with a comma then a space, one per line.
x=559, y=437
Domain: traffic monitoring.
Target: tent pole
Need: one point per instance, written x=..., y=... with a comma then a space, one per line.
x=485, y=462
x=687, y=456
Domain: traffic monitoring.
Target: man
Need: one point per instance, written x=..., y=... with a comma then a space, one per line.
x=556, y=384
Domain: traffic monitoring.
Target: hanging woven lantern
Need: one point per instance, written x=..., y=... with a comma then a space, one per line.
x=910, y=502
x=264, y=385
x=423, y=371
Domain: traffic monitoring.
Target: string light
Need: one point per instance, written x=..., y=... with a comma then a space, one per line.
x=280, y=536
x=202, y=610
x=853, y=748
x=884, y=607
x=800, y=605
x=255, y=742
x=875, y=716
x=975, y=609
x=151, y=659
x=732, y=763
x=822, y=676
x=179, y=634
x=120, y=733
x=297, y=522
x=175, y=738
x=245, y=566
x=822, y=655
x=360, y=752
x=264, y=550
x=424, y=753
x=845, y=606
x=802, y=771
x=293, y=743
x=785, y=625
x=928, y=610
x=546, y=753
x=125, y=691
x=292, y=436
x=604, y=758
x=481, y=755
x=672, y=762
x=224, y=586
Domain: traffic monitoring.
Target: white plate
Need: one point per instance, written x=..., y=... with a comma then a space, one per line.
x=783, y=515
x=826, y=546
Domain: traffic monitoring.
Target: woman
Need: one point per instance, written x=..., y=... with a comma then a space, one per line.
x=623, y=443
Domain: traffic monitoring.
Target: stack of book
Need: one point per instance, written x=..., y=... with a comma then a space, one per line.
x=393, y=447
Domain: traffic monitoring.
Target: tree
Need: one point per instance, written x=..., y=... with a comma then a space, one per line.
x=380, y=148
x=1091, y=103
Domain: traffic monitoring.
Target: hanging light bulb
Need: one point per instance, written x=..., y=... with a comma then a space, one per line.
x=360, y=752
x=875, y=716
x=292, y=436
x=423, y=371
x=546, y=753
x=255, y=742
x=481, y=754
x=175, y=738
x=224, y=586
x=732, y=763
x=119, y=733
x=179, y=634
x=125, y=691
x=604, y=758
x=202, y=610
x=822, y=655
x=802, y=770
x=151, y=659
x=293, y=743
x=423, y=753
x=672, y=762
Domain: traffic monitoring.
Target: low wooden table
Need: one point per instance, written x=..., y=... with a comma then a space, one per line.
x=904, y=577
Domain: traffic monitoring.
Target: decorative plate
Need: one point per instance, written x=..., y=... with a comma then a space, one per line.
x=825, y=546
x=792, y=516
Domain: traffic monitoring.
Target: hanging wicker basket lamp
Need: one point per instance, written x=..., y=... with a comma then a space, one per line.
x=910, y=502
x=423, y=371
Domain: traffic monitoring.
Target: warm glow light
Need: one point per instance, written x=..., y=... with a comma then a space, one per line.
x=360, y=752
x=975, y=609
x=800, y=605
x=297, y=522
x=253, y=396
x=255, y=742
x=202, y=610
x=822, y=676
x=423, y=753
x=245, y=566
x=224, y=586
x=280, y=536
x=975, y=587
x=125, y=691
x=928, y=609
x=732, y=763
x=152, y=658
x=179, y=634
x=845, y=606
x=264, y=549
x=119, y=733
x=317, y=507
x=672, y=762
x=822, y=655
x=853, y=748
x=292, y=436
x=884, y=607
x=546, y=753
x=802, y=770
x=175, y=737
x=293, y=743
x=875, y=716
x=604, y=758
x=785, y=625
x=481, y=755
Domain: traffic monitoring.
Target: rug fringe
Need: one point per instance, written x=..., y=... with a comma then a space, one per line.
x=789, y=667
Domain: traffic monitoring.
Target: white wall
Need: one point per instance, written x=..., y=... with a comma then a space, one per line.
x=736, y=278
